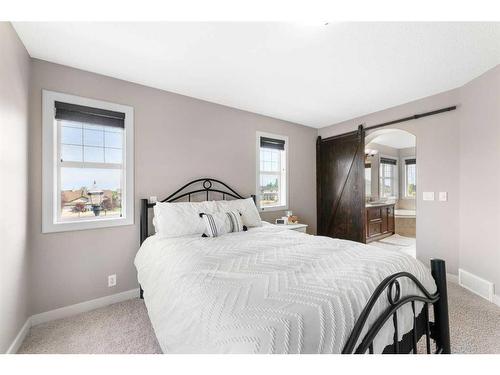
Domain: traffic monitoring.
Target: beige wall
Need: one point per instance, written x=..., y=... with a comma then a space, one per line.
x=480, y=177
x=14, y=274
x=177, y=138
x=438, y=147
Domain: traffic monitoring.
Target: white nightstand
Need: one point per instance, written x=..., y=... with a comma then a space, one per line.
x=297, y=227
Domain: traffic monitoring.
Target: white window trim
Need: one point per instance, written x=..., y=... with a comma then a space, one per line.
x=405, y=181
x=257, y=172
x=50, y=165
x=396, y=177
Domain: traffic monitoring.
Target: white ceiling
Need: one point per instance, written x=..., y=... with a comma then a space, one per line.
x=392, y=138
x=312, y=74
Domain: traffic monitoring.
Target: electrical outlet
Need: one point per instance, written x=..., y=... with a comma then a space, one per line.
x=111, y=281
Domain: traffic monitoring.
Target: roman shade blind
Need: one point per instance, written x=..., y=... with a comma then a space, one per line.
x=90, y=115
x=275, y=144
x=388, y=161
x=410, y=161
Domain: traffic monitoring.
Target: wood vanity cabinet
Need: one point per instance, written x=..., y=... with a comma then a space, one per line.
x=379, y=222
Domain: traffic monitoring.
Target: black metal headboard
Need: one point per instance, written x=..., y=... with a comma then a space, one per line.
x=198, y=186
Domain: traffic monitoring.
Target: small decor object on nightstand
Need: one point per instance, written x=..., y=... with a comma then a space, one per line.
x=281, y=221
x=291, y=218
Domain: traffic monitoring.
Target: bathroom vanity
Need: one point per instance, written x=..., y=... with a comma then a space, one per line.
x=379, y=221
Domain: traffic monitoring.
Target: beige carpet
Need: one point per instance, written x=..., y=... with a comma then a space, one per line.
x=125, y=328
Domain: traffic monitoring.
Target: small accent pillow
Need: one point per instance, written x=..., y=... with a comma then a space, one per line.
x=222, y=222
x=249, y=213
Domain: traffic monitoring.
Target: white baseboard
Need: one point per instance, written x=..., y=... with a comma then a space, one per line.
x=67, y=311
x=496, y=299
x=16, y=344
x=476, y=284
x=78, y=308
x=454, y=279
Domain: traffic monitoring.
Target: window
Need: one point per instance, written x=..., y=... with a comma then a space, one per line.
x=272, y=166
x=368, y=179
x=388, y=178
x=87, y=163
x=410, y=178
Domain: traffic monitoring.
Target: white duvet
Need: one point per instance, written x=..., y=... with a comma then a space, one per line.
x=267, y=290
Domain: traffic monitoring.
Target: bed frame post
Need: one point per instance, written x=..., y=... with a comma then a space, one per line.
x=144, y=220
x=442, y=326
x=144, y=231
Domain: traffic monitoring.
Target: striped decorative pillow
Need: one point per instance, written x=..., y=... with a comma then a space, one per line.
x=222, y=222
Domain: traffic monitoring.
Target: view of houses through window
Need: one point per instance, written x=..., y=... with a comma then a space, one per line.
x=270, y=177
x=90, y=170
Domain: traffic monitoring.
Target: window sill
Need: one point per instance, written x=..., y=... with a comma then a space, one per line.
x=86, y=225
x=274, y=208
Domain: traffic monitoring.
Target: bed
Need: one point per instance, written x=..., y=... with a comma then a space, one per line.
x=273, y=290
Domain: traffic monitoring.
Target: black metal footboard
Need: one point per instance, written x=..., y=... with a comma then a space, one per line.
x=438, y=330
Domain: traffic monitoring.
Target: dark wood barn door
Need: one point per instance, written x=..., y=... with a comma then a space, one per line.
x=340, y=168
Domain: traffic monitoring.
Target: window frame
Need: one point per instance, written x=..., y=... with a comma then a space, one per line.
x=395, y=177
x=405, y=176
x=284, y=174
x=51, y=164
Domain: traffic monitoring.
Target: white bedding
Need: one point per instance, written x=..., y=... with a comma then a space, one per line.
x=268, y=290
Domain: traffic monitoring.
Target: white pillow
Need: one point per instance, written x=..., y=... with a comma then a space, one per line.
x=222, y=222
x=181, y=218
x=246, y=207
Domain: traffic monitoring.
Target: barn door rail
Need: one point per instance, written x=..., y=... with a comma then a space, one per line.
x=413, y=117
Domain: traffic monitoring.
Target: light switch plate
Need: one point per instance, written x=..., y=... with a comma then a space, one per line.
x=428, y=195
x=153, y=199
x=111, y=281
x=443, y=196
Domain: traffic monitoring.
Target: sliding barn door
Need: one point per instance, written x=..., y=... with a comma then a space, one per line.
x=340, y=177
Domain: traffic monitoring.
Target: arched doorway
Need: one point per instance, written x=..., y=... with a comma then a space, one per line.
x=391, y=189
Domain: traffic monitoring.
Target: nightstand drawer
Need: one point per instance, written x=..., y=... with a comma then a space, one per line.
x=296, y=227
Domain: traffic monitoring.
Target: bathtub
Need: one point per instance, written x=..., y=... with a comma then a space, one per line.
x=409, y=214
x=405, y=222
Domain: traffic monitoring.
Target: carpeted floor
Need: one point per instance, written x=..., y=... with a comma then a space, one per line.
x=125, y=328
